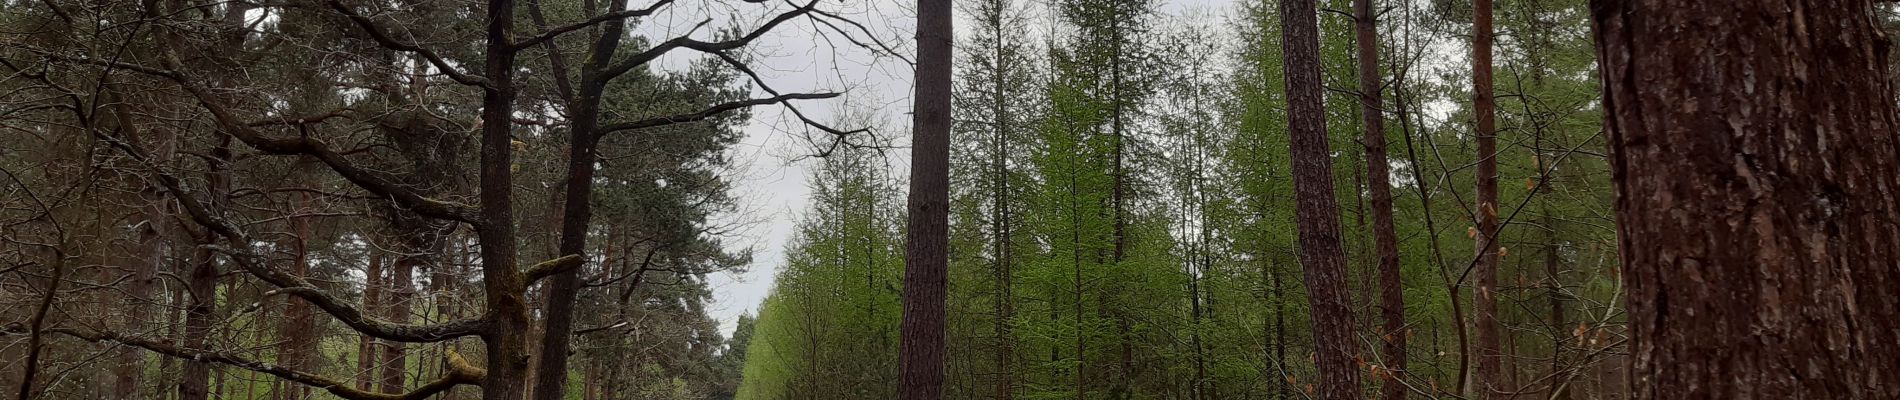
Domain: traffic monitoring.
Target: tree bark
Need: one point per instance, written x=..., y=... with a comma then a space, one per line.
x=1490, y=379
x=367, y=353
x=1321, y=255
x=1753, y=153
x=927, y=246
x=504, y=289
x=1379, y=180
x=298, y=331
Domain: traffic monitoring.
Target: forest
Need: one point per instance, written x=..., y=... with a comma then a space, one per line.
x=995, y=199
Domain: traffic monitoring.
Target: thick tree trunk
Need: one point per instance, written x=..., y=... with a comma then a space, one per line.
x=927, y=246
x=1321, y=254
x=1484, y=295
x=1753, y=151
x=1379, y=180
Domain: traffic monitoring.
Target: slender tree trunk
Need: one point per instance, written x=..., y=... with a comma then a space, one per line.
x=37, y=323
x=1559, y=325
x=1379, y=180
x=1484, y=296
x=1321, y=255
x=367, y=354
x=397, y=307
x=201, y=288
x=927, y=247
x=1753, y=152
x=298, y=331
x=1002, y=220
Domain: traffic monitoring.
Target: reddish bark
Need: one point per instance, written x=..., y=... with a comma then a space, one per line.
x=1484, y=301
x=1753, y=152
x=1322, y=256
x=1379, y=180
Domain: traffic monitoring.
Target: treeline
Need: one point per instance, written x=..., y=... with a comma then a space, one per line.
x=1123, y=213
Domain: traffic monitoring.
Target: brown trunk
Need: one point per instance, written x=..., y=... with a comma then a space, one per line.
x=366, y=350
x=1753, y=153
x=1321, y=255
x=1379, y=182
x=1484, y=295
x=504, y=290
x=153, y=238
x=202, y=285
x=201, y=288
x=396, y=308
x=299, y=326
x=926, y=247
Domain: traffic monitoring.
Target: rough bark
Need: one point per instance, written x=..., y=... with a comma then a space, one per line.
x=1322, y=256
x=926, y=250
x=1379, y=180
x=1490, y=376
x=1753, y=153
x=506, y=339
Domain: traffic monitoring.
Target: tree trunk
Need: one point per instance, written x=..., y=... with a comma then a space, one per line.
x=396, y=307
x=298, y=331
x=1321, y=255
x=1753, y=153
x=506, y=339
x=927, y=245
x=366, y=354
x=201, y=290
x=1484, y=295
x=1379, y=182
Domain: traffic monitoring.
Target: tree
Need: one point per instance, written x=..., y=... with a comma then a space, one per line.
x=1321, y=255
x=1754, y=196
x=927, y=239
x=1491, y=372
x=1379, y=183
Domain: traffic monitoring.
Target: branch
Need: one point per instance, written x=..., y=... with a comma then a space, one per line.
x=554, y=266
x=559, y=30
x=370, y=181
x=246, y=132
x=288, y=283
x=376, y=32
x=459, y=370
x=711, y=112
x=760, y=81
x=709, y=47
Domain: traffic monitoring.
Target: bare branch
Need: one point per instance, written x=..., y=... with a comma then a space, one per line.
x=710, y=112
x=688, y=42
x=596, y=20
